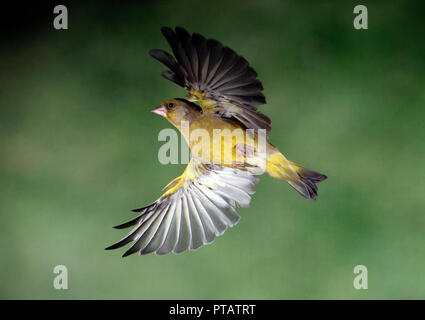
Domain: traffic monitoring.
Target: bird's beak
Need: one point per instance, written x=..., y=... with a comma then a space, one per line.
x=161, y=110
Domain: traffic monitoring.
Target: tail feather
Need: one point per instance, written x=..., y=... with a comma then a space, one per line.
x=306, y=181
x=301, y=179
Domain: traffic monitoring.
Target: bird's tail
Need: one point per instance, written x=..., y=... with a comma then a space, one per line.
x=301, y=179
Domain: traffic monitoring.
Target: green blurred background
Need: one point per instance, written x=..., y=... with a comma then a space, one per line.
x=79, y=150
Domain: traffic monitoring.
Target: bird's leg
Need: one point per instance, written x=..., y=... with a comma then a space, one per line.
x=245, y=150
x=238, y=164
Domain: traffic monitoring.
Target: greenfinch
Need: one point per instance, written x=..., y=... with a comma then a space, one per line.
x=228, y=139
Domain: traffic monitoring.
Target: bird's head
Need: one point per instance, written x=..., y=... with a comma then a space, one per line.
x=178, y=110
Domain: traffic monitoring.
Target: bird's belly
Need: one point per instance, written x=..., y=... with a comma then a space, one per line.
x=220, y=147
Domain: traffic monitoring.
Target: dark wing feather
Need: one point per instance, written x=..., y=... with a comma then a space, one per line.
x=216, y=76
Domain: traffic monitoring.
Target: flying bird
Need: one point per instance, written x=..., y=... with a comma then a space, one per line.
x=223, y=94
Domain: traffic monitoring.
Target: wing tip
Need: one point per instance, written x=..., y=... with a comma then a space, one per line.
x=114, y=246
x=166, y=30
x=182, y=31
x=127, y=253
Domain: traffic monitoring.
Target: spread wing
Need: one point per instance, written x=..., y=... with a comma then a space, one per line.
x=196, y=207
x=217, y=77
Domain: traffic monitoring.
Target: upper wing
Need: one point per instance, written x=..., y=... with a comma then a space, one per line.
x=195, y=208
x=216, y=76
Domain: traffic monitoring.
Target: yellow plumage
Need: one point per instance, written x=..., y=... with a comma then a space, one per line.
x=215, y=140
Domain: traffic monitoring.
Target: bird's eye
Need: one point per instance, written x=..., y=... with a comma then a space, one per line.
x=170, y=105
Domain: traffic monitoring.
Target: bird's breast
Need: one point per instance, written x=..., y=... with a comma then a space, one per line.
x=214, y=141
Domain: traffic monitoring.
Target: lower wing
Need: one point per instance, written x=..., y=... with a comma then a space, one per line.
x=196, y=207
